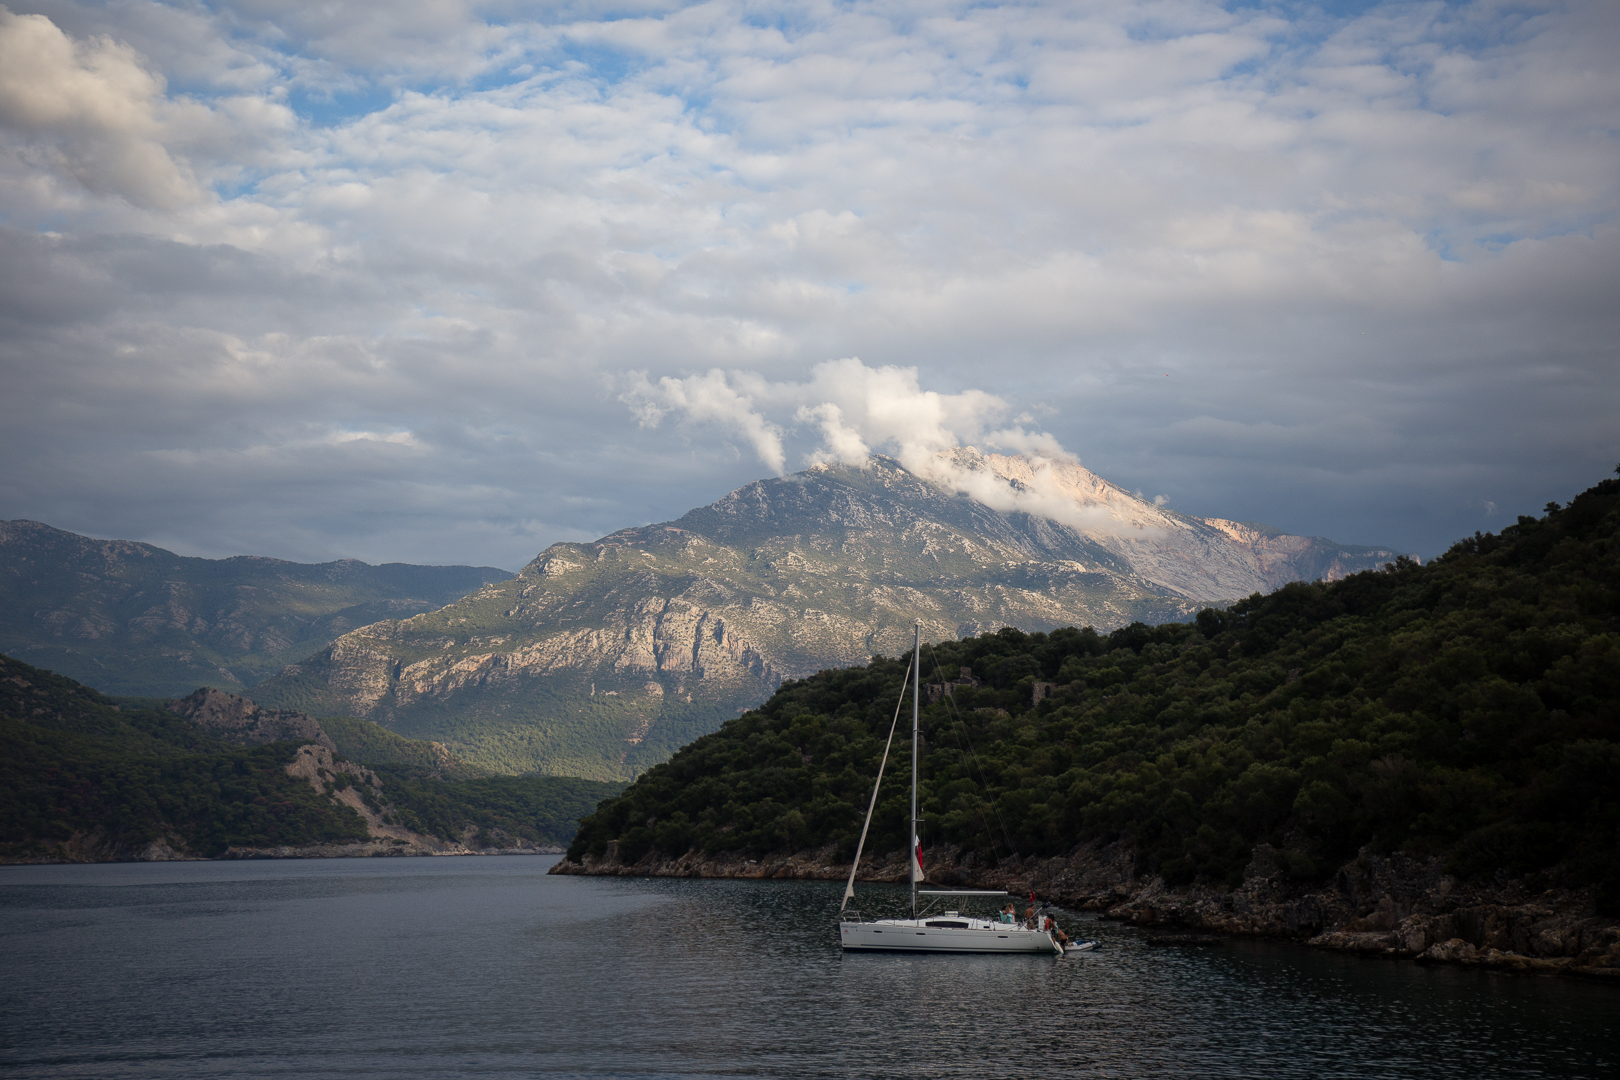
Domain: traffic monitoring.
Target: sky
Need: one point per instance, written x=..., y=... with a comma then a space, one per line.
x=448, y=282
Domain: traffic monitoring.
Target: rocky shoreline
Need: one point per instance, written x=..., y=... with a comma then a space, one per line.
x=1392, y=905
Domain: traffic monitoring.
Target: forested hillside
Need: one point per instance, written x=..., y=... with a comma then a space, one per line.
x=1468, y=709
x=80, y=777
x=85, y=778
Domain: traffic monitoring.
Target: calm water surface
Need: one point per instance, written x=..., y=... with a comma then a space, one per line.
x=477, y=967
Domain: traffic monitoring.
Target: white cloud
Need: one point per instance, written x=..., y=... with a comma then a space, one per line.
x=839, y=442
x=846, y=409
x=89, y=110
x=852, y=407
x=712, y=399
x=1349, y=275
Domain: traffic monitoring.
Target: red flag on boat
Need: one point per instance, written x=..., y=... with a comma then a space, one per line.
x=916, y=859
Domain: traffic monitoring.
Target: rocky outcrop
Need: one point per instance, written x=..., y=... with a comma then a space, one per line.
x=1393, y=906
x=599, y=660
x=238, y=720
x=1206, y=560
x=361, y=790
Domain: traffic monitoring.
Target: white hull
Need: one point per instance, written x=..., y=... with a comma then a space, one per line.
x=961, y=936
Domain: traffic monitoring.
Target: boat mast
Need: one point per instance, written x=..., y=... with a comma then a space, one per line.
x=916, y=687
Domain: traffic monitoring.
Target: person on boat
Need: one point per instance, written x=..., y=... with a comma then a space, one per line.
x=1008, y=913
x=1057, y=934
x=1029, y=918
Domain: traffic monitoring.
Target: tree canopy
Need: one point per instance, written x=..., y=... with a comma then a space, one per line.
x=82, y=775
x=1469, y=709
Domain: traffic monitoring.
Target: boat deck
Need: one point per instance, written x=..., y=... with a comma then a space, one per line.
x=946, y=933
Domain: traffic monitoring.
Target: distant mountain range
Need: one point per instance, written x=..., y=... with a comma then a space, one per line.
x=601, y=659
x=137, y=620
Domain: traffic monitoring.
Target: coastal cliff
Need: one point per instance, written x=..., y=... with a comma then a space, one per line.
x=1392, y=906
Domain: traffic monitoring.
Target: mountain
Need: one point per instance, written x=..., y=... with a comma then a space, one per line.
x=87, y=779
x=601, y=659
x=134, y=619
x=1462, y=717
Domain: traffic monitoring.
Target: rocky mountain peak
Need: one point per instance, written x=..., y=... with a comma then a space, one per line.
x=600, y=659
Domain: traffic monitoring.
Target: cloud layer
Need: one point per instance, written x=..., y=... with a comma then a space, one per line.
x=357, y=279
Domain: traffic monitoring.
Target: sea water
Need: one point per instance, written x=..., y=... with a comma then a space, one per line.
x=487, y=967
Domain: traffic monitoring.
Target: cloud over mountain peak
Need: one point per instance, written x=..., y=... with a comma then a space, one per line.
x=1351, y=272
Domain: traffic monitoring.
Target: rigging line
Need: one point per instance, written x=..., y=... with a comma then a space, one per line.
x=973, y=758
x=972, y=762
x=849, y=886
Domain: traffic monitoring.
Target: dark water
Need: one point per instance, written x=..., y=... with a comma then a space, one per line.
x=487, y=967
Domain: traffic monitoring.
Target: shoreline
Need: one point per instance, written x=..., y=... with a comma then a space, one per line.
x=158, y=851
x=1392, y=906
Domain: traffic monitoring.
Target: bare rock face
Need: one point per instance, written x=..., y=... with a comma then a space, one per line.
x=160, y=851
x=599, y=660
x=238, y=720
x=361, y=790
x=344, y=781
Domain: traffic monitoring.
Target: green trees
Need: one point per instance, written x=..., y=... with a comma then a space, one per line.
x=1469, y=708
x=78, y=769
x=539, y=809
x=57, y=785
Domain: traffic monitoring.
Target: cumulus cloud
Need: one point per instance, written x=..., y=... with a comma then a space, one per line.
x=712, y=398
x=90, y=109
x=839, y=441
x=851, y=407
x=846, y=409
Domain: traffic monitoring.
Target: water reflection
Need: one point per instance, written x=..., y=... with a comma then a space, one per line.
x=488, y=967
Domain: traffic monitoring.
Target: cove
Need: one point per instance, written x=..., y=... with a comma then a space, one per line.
x=490, y=967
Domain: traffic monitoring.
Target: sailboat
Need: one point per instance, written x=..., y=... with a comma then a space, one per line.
x=948, y=931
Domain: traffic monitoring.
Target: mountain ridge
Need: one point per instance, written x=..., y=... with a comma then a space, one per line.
x=135, y=619
x=601, y=659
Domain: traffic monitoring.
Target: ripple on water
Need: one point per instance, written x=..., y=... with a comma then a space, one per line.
x=489, y=967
